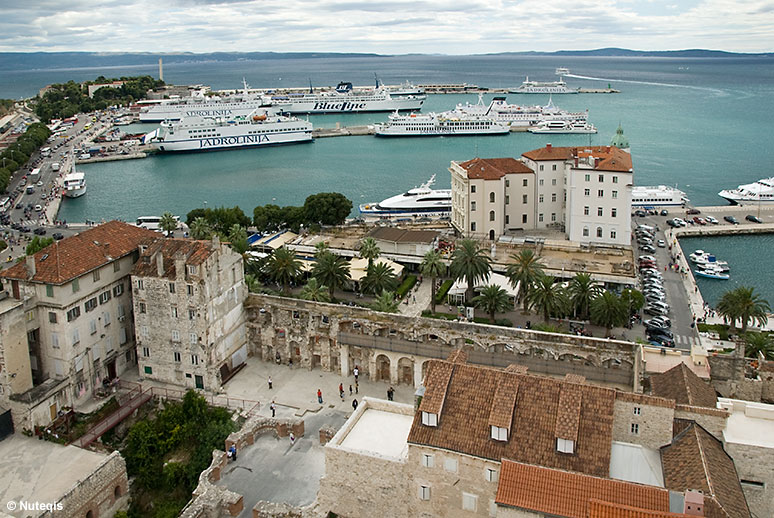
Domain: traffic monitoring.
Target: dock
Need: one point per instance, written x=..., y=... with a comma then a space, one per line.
x=346, y=131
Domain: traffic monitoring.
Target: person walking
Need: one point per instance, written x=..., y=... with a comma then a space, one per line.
x=319, y=396
x=354, y=404
x=292, y=439
x=341, y=391
x=390, y=394
x=356, y=372
x=270, y=383
x=350, y=390
x=273, y=409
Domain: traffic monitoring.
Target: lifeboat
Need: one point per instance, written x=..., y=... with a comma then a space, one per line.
x=261, y=117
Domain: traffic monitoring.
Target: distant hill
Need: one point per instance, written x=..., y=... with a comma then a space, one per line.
x=613, y=51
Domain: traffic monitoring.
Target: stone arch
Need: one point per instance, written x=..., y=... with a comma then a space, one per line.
x=406, y=371
x=499, y=347
x=382, y=368
x=117, y=492
x=89, y=514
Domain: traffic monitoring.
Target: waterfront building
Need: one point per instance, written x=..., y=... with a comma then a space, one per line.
x=189, y=318
x=66, y=322
x=584, y=192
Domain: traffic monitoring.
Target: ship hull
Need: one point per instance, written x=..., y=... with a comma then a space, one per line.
x=351, y=105
x=232, y=142
x=74, y=193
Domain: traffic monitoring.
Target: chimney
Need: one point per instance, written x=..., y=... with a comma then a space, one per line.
x=180, y=271
x=694, y=503
x=159, y=264
x=215, y=240
x=30, y=263
x=548, y=146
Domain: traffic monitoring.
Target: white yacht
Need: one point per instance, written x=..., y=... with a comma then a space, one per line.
x=657, y=196
x=519, y=116
x=761, y=191
x=214, y=133
x=543, y=87
x=74, y=184
x=561, y=71
x=450, y=123
x=345, y=99
x=562, y=126
x=420, y=200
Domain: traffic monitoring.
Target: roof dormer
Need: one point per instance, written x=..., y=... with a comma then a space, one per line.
x=503, y=406
x=436, y=383
x=568, y=417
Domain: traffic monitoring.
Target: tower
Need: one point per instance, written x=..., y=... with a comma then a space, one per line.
x=161, y=70
x=619, y=140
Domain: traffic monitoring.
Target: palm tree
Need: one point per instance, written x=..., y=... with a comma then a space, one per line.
x=252, y=283
x=200, y=229
x=744, y=304
x=369, y=250
x=321, y=247
x=378, y=279
x=331, y=270
x=237, y=236
x=283, y=267
x=432, y=266
x=168, y=223
x=314, y=291
x=525, y=269
x=385, y=303
x=633, y=300
x=493, y=299
x=469, y=262
x=759, y=343
x=548, y=297
x=608, y=310
x=582, y=290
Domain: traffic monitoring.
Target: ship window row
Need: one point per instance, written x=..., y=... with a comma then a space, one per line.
x=645, y=200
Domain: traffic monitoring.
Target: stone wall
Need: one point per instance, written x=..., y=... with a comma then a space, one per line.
x=102, y=493
x=652, y=415
x=512, y=512
x=711, y=419
x=754, y=468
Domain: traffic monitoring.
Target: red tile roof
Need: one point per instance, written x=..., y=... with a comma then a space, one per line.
x=494, y=168
x=194, y=253
x=469, y=396
x=608, y=158
x=600, y=509
x=684, y=386
x=564, y=493
x=74, y=256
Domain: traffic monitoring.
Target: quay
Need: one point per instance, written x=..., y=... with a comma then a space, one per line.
x=113, y=157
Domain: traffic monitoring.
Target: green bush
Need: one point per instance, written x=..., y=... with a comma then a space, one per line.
x=440, y=295
x=720, y=329
x=406, y=285
x=503, y=322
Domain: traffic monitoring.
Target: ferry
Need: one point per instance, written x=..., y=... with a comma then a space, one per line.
x=215, y=133
x=657, y=196
x=153, y=222
x=450, y=123
x=547, y=87
x=561, y=71
x=519, y=116
x=563, y=126
x=74, y=184
x=761, y=191
x=345, y=99
x=420, y=200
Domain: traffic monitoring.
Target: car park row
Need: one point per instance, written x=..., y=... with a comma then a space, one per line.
x=657, y=327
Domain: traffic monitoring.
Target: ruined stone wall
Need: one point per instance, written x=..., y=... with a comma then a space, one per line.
x=753, y=466
x=652, y=415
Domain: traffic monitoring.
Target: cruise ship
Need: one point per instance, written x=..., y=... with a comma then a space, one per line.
x=451, y=123
x=345, y=99
x=761, y=191
x=215, y=133
x=74, y=183
x=563, y=126
x=420, y=200
x=539, y=87
x=657, y=196
x=519, y=116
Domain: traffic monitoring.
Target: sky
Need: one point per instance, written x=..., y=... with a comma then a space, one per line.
x=384, y=26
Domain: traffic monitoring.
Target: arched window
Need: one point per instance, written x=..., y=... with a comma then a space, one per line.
x=117, y=492
x=491, y=235
x=472, y=226
x=585, y=231
x=491, y=197
x=491, y=215
x=599, y=231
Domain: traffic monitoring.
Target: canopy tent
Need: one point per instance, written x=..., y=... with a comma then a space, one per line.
x=457, y=291
x=358, y=267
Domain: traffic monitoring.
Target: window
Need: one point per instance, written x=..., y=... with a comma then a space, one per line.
x=424, y=492
x=429, y=419
x=554, y=168
x=472, y=206
x=601, y=178
x=587, y=177
x=30, y=315
x=473, y=189
x=600, y=193
x=586, y=192
x=90, y=304
x=614, y=194
x=176, y=356
x=524, y=199
x=753, y=484
x=524, y=182
x=116, y=266
x=51, y=317
x=175, y=335
x=565, y=445
x=553, y=196
x=450, y=464
x=174, y=311
x=469, y=502
x=191, y=314
x=139, y=284
x=540, y=198
x=599, y=211
x=193, y=338
x=540, y=217
x=148, y=370
x=76, y=286
x=615, y=179
x=472, y=226
x=92, y=327
x=553, y=180
x=637, y=410
x=586, y=210
x=491, y=215
x=171, y=287
x=540, y=182
x=73, y=314
x=76, y=335
x=142, y=307
x=190, y=288
x=428, y=461
x=191, y=269
x=553, y=216
x=507, y=219
x=49, y=290
x=507, y=183
x=146, y=352
x=194, y=359
x=523, y=218
x=144, y=331
x=612, y=234
x=490, y=474
x=118, y=290
x=491, y=197
x=106, y=318
x=599, y=231
x=95, y=275
x=613, y=212
x=507, y=199
x=104, y=297
x=122, y=336
x=635, y=429
x=541, y=168
x=585, y=231
x=499, y=434
x=55, y=340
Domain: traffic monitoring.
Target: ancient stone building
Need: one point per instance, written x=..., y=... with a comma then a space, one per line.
x=189, y=315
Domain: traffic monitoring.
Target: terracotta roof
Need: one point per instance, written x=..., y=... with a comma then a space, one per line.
x=74, y=256
x=194, y=252
x=686, y=388
x=600, y=509
x=463, y=423
x=696, y=460
x=501, y=414
x=399, y=235
x=458, y=356
x=516, y=369
x=608, y=158
x=568, y=414
x=494, y=168
x=564, y=493
x=550, y=152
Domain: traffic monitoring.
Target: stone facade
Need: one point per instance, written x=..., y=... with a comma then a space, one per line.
x=643, y=420
x=754, y=468
x=711, y=419
x=188, y=310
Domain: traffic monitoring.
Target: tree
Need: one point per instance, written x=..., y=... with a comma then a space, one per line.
x=237, y=236
x=547, y=297
x=385, y=303
x=432, y=266
x=471, y=263
x=331, y=270
x=168, y=223
x=744, y=304
x=493, y=299
x=756, y=343
x=37, y=244
x=200, y=229
x=320, y=247
x=313, y=290
x=582, y=290
x=609, y=310
x=252, y=283
x=327, y=208
x=369, y=250
x=378, y=279
x=267, y=217
x=283, y=267
x=633, y=299
x=524, y=271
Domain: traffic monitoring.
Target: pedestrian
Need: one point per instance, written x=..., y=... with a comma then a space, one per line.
x=356, y=372
x=270, y=384
x=354, y=404
x=292, y=439
x=341, y=391
x=356, y=387
x=390, y=393
x=273, y=408
x=319, y=396
x=350, y=390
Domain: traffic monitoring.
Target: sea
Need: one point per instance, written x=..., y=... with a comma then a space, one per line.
x=701, y=124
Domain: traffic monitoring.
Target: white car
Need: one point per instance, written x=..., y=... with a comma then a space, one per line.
x=710, y=219
x=661, y=243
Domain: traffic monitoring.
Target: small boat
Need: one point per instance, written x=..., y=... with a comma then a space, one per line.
x=712, y=274
x=705, y=259
x=554, y=126
x=560, y=71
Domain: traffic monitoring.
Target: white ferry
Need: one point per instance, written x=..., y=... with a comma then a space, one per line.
x=213, y=133
x=540, y=87
x=450, y=123
x=520, y=116
x=74, y=182
x=563, y=126
x=153, y=222
x=657, y=196
x=345, y=99
x=761, y=191
x=420, y=200
x=561, y=71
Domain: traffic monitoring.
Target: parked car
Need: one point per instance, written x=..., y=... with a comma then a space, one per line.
x=664, y=212
x=648, y=248
x=40, y=231
x=640, y=213
x=661, y=243
x=692, y=211
x=663, y=332
x=662, y=320
x=754, y=219
x=655, y=310
x=712, y=220
x=731, y=220
x=57, y=235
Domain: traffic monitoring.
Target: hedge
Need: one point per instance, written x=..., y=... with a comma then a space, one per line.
x=406, y=285
x=440, y=296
